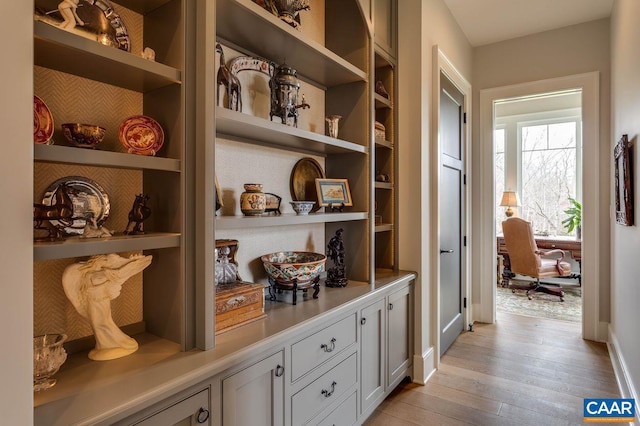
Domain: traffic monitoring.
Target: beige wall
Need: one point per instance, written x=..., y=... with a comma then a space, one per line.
x=572, y=50
x=625, y=241
x=422, y=25
x=16, y=393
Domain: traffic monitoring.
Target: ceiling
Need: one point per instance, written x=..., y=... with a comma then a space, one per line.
x=490, y=21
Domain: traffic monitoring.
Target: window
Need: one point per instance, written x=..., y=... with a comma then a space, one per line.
x=499, y=136
x=548, y=173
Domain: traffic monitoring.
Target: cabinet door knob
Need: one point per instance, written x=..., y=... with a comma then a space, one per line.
x=363, y=321
x=203, y=415
x=279, y=370
x=391, y=306
x=328, y=393
x=330, y=347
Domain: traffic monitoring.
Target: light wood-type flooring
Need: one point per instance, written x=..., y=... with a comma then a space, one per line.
x=519, y=371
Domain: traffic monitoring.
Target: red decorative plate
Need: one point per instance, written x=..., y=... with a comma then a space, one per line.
x=42, y=122
x=141, y=135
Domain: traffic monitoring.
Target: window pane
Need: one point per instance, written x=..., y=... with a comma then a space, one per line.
x=562, y=135
x=548, y=180
x=498, y=137
x=500, y=178
x=534, y=137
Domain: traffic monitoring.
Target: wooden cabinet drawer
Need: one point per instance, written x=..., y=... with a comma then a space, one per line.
x=323, y=391
x=314, y=350
x=238, y=304
x=345, y=415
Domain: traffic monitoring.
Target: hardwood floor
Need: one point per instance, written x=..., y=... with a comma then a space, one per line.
x=519, y=371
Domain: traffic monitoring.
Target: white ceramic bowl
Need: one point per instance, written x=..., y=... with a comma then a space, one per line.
x=302, y=207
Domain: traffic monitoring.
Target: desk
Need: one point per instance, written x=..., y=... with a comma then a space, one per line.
x=568, y=244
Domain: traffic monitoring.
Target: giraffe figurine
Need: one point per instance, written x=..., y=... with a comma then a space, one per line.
x=230, y=82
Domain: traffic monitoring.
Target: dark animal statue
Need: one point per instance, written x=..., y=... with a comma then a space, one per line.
x=231, y=82
x=61, y=210
x=139, y=212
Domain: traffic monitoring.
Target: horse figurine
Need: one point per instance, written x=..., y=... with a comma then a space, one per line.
x=139, y=212
x=230, y=81
x=61, y=210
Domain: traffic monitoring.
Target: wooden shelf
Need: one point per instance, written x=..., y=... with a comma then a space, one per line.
x=72, y=155
x=259, y=131
x=63, y=51
x=383, y=143
x=381, y=101
x=78, y=247
x=383, y=185
x=235, y=222
x=384, y=227
x=246, y=24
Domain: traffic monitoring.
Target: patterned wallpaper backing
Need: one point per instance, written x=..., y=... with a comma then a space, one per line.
x=75, y=99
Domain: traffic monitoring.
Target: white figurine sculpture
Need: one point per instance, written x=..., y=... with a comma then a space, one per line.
x=90, y=286
x=67, y=9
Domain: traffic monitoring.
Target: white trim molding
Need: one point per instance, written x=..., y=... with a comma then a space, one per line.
x=424, y=366
x=588, y=83
x=625, y=383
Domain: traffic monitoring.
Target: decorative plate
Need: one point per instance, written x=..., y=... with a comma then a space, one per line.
x=96, y=20
x=42, y=122
x=90, y=201
x=303, y=180
x=141, y=135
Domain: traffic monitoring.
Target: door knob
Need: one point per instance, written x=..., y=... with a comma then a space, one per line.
x=446, y=251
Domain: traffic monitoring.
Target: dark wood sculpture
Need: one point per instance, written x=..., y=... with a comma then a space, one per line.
x=336, y=275
x=139, y=212
x=231, y=83
x=60, y=210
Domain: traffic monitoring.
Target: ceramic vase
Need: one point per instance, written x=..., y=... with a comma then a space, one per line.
x=252, y=201
x=333, y=120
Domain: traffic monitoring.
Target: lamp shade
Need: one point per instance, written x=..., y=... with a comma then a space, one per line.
x=510, y=199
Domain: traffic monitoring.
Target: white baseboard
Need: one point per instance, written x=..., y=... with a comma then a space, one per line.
x=625, y=383
x=423, y=366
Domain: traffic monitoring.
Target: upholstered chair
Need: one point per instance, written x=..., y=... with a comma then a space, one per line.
x=527, y=260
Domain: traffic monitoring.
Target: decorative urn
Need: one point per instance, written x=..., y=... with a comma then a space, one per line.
x=285, y=89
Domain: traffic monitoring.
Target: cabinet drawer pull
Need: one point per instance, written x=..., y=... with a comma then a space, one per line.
x=391, y=306
x=330, y=347
x=328, y=393
x=203, y=415
x=279, y=370
x=363, y=321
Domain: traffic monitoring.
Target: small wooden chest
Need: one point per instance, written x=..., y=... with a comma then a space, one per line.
x=238, y=304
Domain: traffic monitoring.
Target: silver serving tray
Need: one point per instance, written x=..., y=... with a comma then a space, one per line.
x=89, y=201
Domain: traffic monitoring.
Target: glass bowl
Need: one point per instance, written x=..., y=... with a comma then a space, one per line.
x=48, y=356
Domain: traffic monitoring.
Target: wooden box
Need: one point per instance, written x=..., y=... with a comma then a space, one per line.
x=238, y=304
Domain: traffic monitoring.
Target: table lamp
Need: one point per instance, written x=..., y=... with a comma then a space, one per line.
x=509, y=199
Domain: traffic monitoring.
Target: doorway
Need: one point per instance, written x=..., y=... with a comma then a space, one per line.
x=485, y=245
x=538, y=177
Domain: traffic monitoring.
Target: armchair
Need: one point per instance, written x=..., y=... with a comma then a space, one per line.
x=527, y=259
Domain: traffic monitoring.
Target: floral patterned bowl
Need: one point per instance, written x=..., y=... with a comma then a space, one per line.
x=285, y=266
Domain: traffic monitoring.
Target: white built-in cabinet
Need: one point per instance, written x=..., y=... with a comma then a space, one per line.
x=399, y=333
x=373, y=354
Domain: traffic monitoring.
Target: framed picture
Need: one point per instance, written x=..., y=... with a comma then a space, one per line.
x=623, y=190
x=333, y=192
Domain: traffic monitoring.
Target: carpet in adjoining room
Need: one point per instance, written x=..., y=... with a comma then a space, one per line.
x=542, y=305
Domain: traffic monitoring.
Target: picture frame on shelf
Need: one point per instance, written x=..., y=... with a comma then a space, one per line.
x=273, y=203
x=623, y=191
x=333, y=192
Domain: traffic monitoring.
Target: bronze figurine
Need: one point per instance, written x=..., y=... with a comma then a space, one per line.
x=138, y=214
x=60, y=210
x=336, y=275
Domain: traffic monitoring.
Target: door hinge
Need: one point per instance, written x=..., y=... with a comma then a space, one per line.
x=465, y=303
x=464, y=179
x=464, y=241
x=464, y=118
